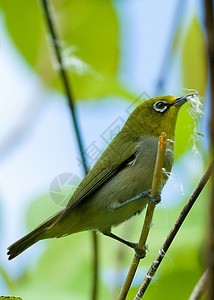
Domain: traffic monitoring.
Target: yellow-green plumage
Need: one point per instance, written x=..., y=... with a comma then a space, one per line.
x=124, y=170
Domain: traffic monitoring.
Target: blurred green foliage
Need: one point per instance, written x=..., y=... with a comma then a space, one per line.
x=88, y=37
x=194, y=58
x=64, y=269
x=184, y=130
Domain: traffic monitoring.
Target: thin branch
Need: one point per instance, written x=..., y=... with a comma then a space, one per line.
x=64, y=78
x=209, y=22
x=95, y=266
x=148, y=217
x=174, y=231
x=200, y=287
x=68, y=92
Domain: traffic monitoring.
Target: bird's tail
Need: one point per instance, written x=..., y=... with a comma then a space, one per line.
x=39, y=233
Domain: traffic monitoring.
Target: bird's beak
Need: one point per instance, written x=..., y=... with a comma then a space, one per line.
x=183, y=99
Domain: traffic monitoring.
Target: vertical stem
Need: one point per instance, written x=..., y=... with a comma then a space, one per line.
x=64, y=78
x=200, y=287
x=68, y=92
x=148, y=217
x=209, y=22
x=95, y=265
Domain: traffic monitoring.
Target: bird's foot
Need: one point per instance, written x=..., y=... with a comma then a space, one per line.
x=145, y=194
x=155, y=200
x=140, y=252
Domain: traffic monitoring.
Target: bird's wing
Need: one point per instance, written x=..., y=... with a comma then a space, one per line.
x=100, y=173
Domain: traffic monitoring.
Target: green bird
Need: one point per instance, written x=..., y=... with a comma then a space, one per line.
x=106, y=197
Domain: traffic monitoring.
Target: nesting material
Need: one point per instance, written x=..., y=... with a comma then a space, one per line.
x=196, y=112
x=175, y=179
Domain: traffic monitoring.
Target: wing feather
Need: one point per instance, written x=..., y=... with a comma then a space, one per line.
x=100, y=173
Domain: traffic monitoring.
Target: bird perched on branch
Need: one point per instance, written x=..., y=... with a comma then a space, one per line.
x=104, y=198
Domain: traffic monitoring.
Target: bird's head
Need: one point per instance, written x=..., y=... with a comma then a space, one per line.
x=157, y=115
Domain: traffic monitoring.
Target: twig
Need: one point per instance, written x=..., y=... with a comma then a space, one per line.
x=209, y=22
x=95, y=266
x=174, y=231
x=68, y=92
x=64, y=77
x=200, y=287
x=148, y=217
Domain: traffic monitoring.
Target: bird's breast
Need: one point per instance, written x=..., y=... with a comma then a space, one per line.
x=146, y=157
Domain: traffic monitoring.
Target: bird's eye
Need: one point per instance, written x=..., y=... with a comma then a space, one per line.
x=160, y=106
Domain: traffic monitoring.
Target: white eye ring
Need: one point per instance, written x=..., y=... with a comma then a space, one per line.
x=160, y=109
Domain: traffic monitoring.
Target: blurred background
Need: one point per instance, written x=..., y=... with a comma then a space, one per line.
x=117, y=53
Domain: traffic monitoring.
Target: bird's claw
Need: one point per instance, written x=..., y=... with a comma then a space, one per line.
x=155, y=200
x=139, y=252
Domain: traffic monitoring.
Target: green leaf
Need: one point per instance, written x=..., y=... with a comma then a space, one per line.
x=184, y=132
x=194, y=59
x=23, y=20
x=88, y=36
